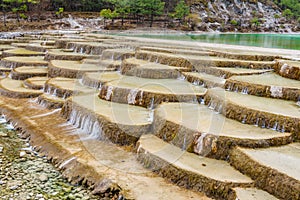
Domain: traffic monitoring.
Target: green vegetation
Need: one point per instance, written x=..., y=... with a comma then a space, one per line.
x=234, y=22
x=181, y=10
x=59, y=12
x=291, y=8
x=139, y=11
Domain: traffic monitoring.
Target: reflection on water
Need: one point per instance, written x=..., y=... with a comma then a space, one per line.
x=285, y=41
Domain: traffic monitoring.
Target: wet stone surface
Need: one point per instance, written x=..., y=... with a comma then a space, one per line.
x=26, y=175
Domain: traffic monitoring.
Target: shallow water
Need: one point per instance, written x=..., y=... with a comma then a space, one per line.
x=282, y=41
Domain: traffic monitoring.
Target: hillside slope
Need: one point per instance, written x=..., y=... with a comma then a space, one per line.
x=239, y=15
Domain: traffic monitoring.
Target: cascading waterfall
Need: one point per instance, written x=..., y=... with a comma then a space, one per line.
x=86, y=123
x=245, y=90
x=181, y=77
x=141, y=97
x=200, y=143
x=132, y=96
x=109, y=93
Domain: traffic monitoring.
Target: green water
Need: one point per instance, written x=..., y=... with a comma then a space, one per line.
x=282, y=41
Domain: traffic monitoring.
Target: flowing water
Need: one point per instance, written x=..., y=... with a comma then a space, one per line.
x=283, y=41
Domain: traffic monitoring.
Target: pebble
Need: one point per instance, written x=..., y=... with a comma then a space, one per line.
x=29, y=176
x=43, y=177
x=22, y=153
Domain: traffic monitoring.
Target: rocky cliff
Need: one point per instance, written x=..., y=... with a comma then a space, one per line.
x=240, y=15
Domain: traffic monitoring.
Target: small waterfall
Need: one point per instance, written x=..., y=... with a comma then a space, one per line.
x=181, y=77
x=132, y=96
x=13, y=65
x=244, y=119
x=73, y=23
x=48, y=90
x=87, y=123
x=109, y=93
x=200, y=143
x=113, y=56
x=284, y=68
x=151, y=116
x=81, y=50
x=230, y=87
x=141, y=97
x=237, y=89
x=201, y=100
x=196, y=82
x=54, y=92
x=184, y=143
x=245, y=90
x=3, y=120
x=257, y=122
x=151, y=105
x=65, y=95
x=275, y=127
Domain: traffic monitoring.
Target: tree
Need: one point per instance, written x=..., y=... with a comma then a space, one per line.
x=108, y=14
x=152, y=8
x=123, y=9
x=287, y=13
x=181, y=10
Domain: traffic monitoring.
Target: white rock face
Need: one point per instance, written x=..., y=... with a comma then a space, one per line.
x=276, y=91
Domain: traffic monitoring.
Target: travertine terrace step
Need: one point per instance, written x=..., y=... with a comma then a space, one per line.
x=21, y=52
x=247, y=55
x=288, y=69
x=200, y=62
x=4, y=47
x=276, y=114
x=150, y=92
x=40, y=47
x=19, y=44
x=15, y=89
x=120, y=123
x=113, y=64
x=74, y=69
x=214, y=177
x=21, y=73
x=198, y=129
x=164, y=58
x=274, y=169
x=145, y=69
x=227, y=72
x=63, y=42
x=36, y=83
x=267, y=85
x=117, y=54
x=4, y=71
x=250, y=193
x=82, y=158
x=204, y=79
x=92, y=48
x=18, y=61
x=201, y=52
x=50, y=101
x=97, y=79
x=65, y=87
x=58, y=54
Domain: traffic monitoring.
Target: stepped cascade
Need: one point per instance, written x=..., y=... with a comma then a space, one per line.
x=150, y=119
